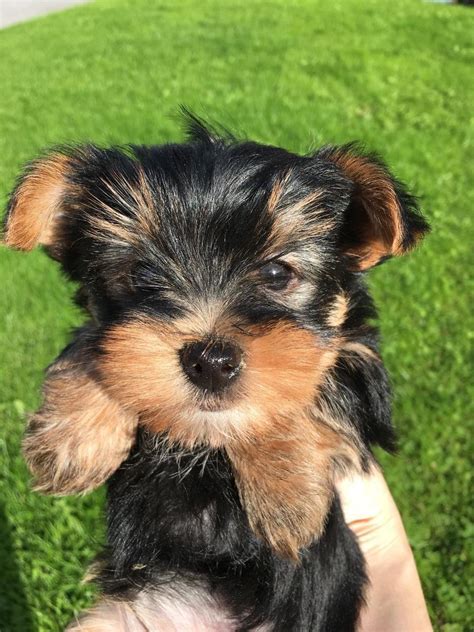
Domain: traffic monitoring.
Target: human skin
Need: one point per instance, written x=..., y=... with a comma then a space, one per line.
x=394, y=599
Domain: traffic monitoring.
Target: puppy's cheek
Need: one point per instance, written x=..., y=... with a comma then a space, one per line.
x=284, y=370
x=139, y=366
x=79, y=436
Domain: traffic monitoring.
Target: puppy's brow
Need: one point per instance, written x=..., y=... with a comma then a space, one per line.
x=299, y=220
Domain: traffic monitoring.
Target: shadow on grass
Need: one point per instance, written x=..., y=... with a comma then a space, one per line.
x=15, y=612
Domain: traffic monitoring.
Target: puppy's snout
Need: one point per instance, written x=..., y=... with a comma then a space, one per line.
x=211, y=365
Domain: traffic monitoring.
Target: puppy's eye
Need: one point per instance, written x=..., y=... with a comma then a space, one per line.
x=277, y=275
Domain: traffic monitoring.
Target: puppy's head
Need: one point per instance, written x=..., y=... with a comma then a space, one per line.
x=221, y=275
x=224, y=280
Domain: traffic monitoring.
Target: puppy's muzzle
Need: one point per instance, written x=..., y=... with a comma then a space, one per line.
x=211, y=365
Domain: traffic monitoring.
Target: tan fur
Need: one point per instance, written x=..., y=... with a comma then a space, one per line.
x=378, y=193
x=36, y=204
x=275, y=196
x=360, y=349
x=338, y=312
x=284, y=366
x=79, y=436
x=382, y=229
x=303, y=219
x=113, y=226
x=278, y=191
x=285, y=480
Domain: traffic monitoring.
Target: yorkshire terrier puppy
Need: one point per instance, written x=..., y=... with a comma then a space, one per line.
x=228, y=371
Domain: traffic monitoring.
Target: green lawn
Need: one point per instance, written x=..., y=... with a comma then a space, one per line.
x=396, y=75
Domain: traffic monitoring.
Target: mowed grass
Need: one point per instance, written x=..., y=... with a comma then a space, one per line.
x=395, y=75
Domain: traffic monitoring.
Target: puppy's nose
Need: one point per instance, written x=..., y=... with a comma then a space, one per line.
x=211, y=365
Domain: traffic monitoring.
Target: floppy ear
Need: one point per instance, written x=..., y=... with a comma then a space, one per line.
x=80, y=435
x=382, y=218
x=35, y=204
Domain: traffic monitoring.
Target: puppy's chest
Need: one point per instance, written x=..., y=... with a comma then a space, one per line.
x=177, y=533
x=165, y=511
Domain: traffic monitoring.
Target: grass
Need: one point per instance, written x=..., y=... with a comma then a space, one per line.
x=396, y=75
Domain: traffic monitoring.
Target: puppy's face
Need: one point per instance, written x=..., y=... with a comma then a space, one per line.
x=216, y=284
x=222, y=277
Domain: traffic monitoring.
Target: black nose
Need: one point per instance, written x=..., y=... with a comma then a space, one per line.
x=211, y=365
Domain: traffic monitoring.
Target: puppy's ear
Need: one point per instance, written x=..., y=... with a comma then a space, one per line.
x=382, y=218
x=80, y=435
x=36, y=202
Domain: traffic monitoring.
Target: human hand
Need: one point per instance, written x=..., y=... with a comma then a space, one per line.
x=394, y=599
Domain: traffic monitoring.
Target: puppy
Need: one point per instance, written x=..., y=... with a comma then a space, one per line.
x=228, y=370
